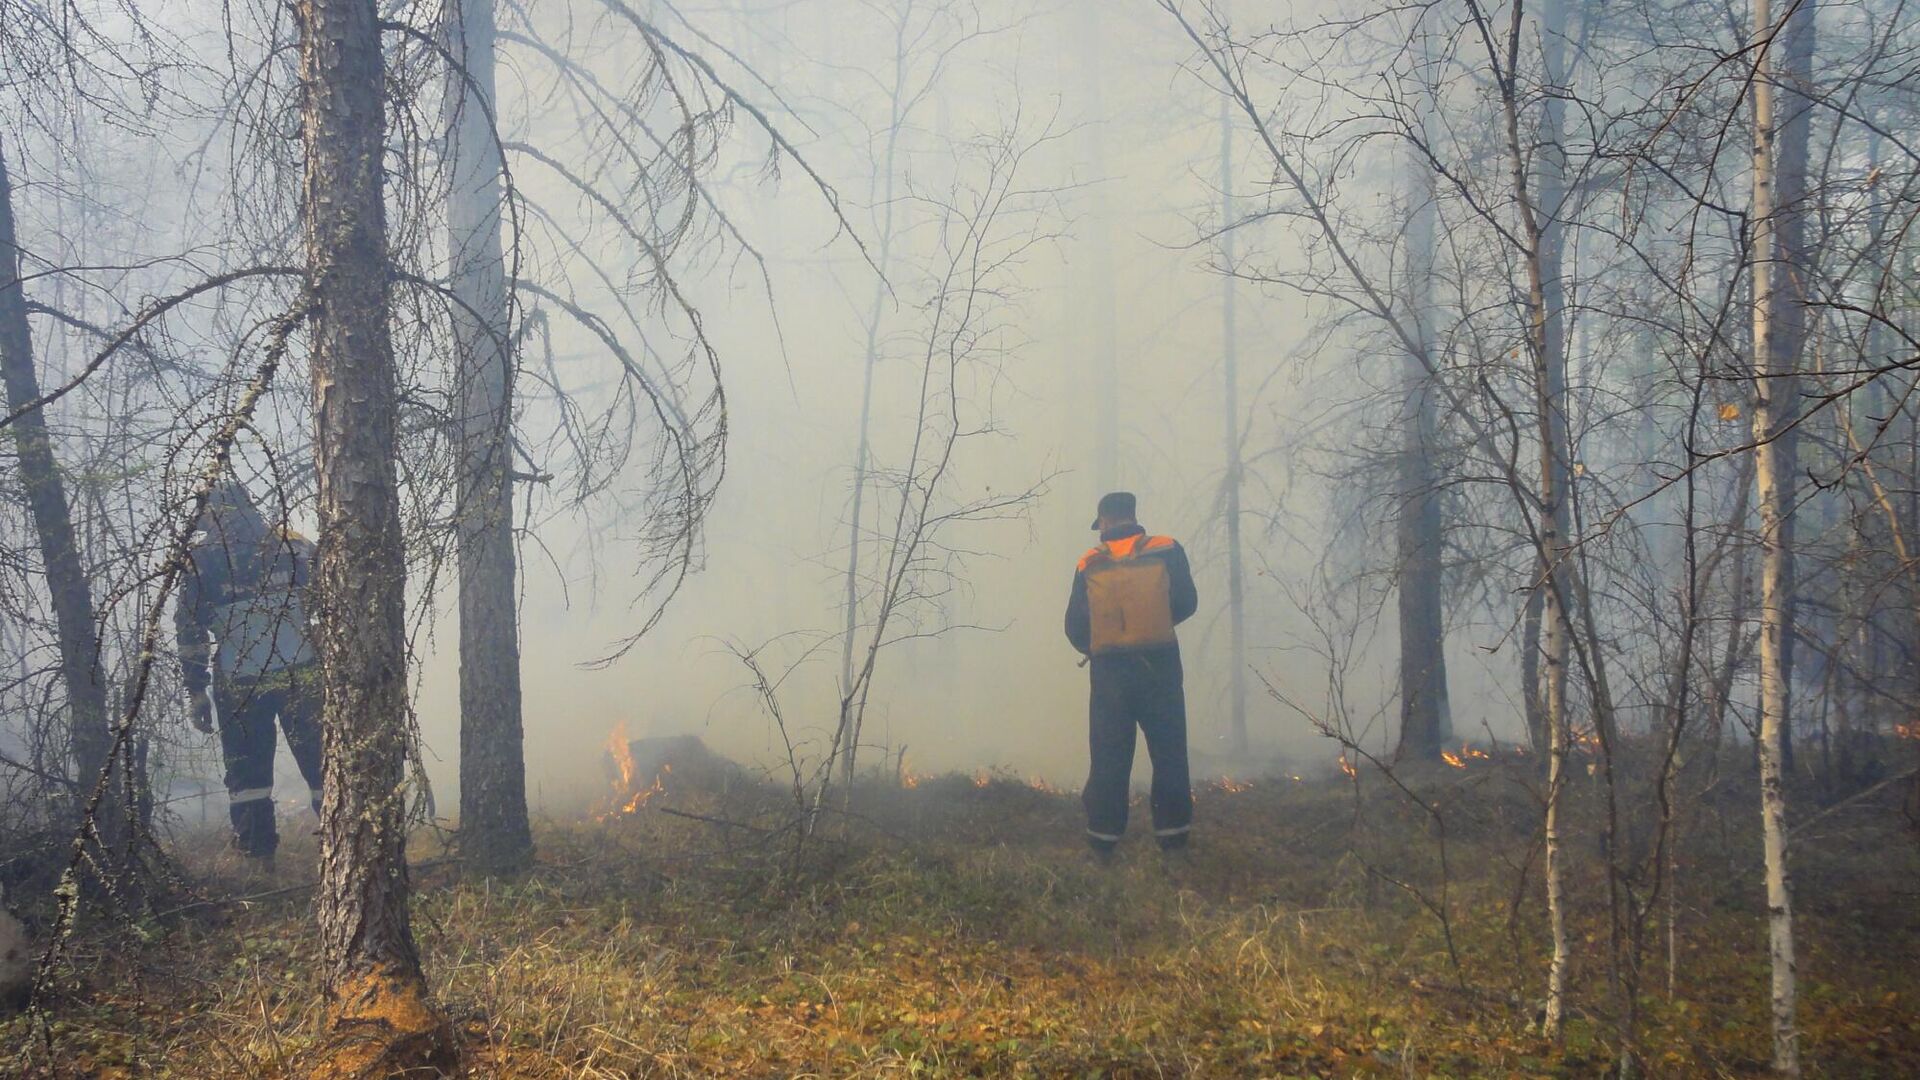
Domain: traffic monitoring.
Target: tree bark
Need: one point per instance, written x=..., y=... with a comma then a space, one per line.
x=381, y=1014
x=1540, y=208
x=1773, y=479
x=67, y=589
x=1425, y=720
x=495, y=835
x=1230, y=374
x=1793, y=260
x=1100, y=287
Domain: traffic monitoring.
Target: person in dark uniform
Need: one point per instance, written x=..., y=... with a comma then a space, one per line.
x=1128, y=595
x=245, y=657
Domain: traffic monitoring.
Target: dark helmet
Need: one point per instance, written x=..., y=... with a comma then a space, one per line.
x=230, y=507
x=1114, y=506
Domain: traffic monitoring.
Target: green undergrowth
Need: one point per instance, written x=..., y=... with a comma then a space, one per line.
x=957, y=928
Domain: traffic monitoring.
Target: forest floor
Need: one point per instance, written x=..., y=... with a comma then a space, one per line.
x=957, y=928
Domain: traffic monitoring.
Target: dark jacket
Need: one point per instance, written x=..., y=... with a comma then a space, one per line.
x=245, y=590
x=1184, y=597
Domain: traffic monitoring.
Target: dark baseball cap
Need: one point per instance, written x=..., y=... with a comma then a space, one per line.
x=1114, y=504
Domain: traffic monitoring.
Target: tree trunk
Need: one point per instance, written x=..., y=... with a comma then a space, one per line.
x=1533, y=703
x=379, y=1007
x=1773, y=479
x=495, y=836
x=1547, y=297
x=1425, y=721
x=876, y=308
x=1230, y=373
x=1791, y=284
x=67, y=588
x=1099, y=286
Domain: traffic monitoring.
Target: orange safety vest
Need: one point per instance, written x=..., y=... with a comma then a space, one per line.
x=1129, y=594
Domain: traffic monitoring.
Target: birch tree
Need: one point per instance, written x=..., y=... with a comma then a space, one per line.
x=1773, y=493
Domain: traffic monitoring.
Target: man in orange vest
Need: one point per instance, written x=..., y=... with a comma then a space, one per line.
x=1128, y=595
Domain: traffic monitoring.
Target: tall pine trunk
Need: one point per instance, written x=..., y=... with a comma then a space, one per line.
x=72, y=601
x=379, y=1007
x=1230, y=373
x=495, y=836
x=1425, y=721
x=1097, y=283
x=1774, y=480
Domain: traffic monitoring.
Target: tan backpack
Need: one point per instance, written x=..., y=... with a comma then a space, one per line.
x=1129, y=596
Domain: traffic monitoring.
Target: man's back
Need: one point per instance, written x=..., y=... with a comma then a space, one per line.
x=246, y=590
x=1129, y=593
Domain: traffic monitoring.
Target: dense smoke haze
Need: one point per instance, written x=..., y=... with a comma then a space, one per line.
x=645, y=454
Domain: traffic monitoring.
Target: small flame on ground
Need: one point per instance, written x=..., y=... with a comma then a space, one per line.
x=1452, y=759
x=1347, y=767
x=626, y=799
x=1231, y=786
x=981, y=779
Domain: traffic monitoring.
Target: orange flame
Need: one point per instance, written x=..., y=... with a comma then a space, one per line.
x=1231, y=786
x=1452, y=759
x=622, y=755
x=1347, y=767
x=1907, y=731
x=627, y=797
x=981, y=779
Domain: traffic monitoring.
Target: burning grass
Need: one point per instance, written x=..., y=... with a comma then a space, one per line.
x=952, y=926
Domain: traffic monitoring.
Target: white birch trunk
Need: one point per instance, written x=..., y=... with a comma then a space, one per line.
x=1547, y=297
x=1773, y=493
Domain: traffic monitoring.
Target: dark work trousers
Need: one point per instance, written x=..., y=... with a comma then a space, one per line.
x=248, y=708
x=1137, y=690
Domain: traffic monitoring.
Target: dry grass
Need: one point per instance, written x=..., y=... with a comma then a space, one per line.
x=958, y=929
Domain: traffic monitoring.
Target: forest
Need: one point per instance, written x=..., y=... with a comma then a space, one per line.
x=536, y=535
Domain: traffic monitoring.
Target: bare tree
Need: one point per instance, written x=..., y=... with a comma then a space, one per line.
x=72, y=598
x=1235, y=476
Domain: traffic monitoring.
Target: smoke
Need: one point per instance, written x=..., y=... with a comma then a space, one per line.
x=1001, y=687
